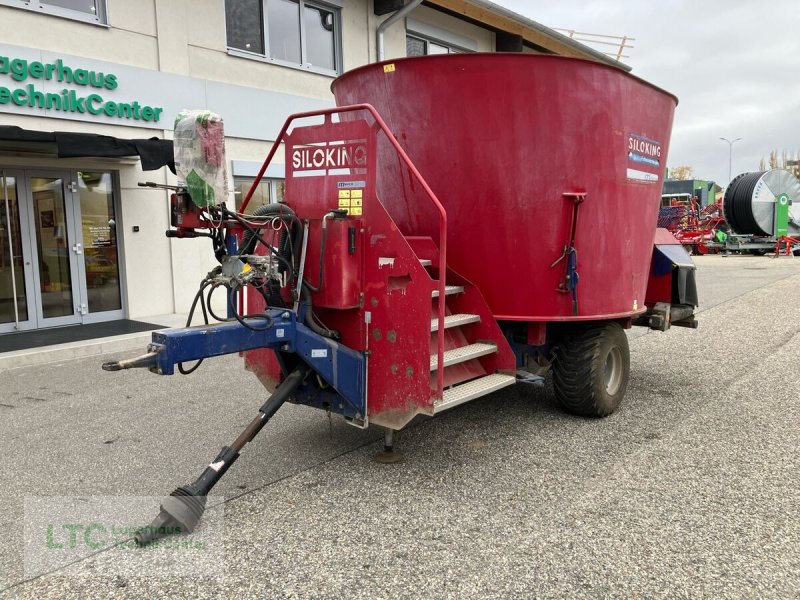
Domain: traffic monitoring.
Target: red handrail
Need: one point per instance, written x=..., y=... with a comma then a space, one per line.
x=417, y=175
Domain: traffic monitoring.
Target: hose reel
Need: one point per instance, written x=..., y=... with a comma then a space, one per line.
x=750, y=202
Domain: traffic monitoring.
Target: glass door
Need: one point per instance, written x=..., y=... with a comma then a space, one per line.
x=59, y=255
x=54, y=238
x=99, y=264
x=16, y=275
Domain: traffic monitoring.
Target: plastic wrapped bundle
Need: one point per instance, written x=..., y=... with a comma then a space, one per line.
x=200, y=156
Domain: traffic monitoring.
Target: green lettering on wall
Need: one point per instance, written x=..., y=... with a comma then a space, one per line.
x=91, y=100
x=69, y=100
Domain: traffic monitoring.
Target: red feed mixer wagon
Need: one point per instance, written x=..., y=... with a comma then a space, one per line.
x=456, y=223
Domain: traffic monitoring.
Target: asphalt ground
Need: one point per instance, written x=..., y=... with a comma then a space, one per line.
x=692, y=489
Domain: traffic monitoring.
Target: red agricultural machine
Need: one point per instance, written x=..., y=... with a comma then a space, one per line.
x=694, y=227
x=455, y=223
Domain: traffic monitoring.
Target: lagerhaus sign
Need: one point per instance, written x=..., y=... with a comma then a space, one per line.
x=84, y=92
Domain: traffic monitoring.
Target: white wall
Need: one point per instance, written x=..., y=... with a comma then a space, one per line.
x=187, y=37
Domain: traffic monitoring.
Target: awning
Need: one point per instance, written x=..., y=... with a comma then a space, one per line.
x=154, y=152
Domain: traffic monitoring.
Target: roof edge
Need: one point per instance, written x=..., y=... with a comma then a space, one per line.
x=543, y=29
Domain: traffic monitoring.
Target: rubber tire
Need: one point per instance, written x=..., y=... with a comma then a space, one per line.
x=579, y=370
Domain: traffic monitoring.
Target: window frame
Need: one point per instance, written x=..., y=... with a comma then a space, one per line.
x=247, y=181
x=451, y=48
x=39, y=6
x=430, y=34
x=335, y=6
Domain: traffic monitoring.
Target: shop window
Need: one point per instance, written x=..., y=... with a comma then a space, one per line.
x=269, y=191
x=289, y=32
x=93, y=11
x=419, y=46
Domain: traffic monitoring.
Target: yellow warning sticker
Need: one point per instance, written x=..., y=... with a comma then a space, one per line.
x=344, y=193
x=344, y=202
x=356, y=202
x=390, y=68
x=355, y=212
x=357, y=194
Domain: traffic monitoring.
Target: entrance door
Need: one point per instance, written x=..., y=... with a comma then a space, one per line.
x=56, y=246
x=17, y=306
x=59, y=260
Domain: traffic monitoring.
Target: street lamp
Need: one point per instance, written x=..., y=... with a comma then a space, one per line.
x=730, y=154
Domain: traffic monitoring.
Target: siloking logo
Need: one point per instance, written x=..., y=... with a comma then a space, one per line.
x=643, y=153
x=340, y=156
x=644, y=150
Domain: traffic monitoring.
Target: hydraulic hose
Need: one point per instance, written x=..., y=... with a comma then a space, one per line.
x=289, y=236
x=312, y=324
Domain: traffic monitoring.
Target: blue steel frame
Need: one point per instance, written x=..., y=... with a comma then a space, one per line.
x=342, y=369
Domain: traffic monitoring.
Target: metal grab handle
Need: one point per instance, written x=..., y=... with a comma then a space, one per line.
x=77, y=249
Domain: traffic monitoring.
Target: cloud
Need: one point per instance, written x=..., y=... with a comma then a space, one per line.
x=734, y=66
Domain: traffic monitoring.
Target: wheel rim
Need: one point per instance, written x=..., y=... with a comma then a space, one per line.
x=613, y=371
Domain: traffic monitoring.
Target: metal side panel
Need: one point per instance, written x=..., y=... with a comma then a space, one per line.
x=471, y=390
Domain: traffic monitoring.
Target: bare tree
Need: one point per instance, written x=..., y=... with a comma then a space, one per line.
x=783, y=160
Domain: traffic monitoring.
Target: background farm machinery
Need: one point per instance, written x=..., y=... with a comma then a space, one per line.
x=760, y=214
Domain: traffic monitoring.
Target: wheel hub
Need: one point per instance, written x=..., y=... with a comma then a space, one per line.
x=613, y=371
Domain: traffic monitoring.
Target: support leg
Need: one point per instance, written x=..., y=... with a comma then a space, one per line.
x=182, y=509
x=389, y=455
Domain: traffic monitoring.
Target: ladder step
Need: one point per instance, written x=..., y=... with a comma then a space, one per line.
x=463, y=354
x=464, y=392
x=425, y=262
x=454, y=321
x=448, y=290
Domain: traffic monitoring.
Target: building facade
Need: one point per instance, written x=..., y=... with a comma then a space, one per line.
x=80, y=240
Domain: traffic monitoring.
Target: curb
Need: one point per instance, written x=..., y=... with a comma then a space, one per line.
x=73, y=350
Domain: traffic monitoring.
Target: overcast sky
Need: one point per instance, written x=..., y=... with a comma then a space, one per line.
x=734, y=65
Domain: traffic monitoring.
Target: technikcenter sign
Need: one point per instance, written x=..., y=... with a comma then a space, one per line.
x=85, y=94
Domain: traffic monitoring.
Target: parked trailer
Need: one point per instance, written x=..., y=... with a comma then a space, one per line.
x=456, y=222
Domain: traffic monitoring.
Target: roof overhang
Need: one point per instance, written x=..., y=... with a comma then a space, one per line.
x=154, y=152
x=503, y=19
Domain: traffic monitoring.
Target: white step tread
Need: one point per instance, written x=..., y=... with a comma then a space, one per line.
x=448, y=290
x=464, y=392
x=455, y=321
x=463, y=354
x=425, y=262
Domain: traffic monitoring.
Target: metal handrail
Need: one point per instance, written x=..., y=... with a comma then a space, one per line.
x=417, y=175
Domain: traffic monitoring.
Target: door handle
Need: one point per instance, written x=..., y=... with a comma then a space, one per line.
x=77, y=248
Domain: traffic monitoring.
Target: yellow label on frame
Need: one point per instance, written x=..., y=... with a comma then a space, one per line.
x=344, y=202
x=344, y=193
x=390, y=68
x=356, y=202
x=355, y=212
x=357, y=194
